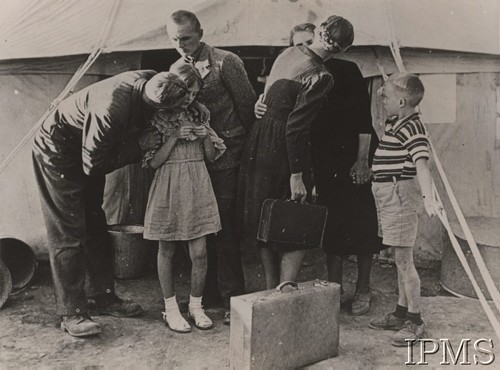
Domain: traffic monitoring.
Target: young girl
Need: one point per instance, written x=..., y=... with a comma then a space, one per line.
x=182, y=204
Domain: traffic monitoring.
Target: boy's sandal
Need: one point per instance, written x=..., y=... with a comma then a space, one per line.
x=177, y=324
x=200, y=319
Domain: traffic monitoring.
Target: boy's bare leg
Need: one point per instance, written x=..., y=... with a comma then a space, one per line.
x=198, y=255
x=166, y=252
x=291, y=262
x=409, y=277
x=402, y=300
x=270, y=262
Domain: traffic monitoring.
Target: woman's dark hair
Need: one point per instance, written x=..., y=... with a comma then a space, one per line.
x=303, y=27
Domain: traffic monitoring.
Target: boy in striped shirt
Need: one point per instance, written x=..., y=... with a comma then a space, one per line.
x=401, y=156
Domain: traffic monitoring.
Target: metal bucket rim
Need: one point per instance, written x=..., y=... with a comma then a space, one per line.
x=30, y=264
x=5, y=283
x=126, y=229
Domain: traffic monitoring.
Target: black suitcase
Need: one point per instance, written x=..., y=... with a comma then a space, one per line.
x=292, y=223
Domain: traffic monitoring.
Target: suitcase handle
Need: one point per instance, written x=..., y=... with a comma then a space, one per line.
x=280, y=287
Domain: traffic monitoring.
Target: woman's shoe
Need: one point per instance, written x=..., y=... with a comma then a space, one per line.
x=360, y=304
x=176, y=322
x=200, y=319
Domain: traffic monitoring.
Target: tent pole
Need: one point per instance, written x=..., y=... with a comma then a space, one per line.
x=393, y=41
x=492, y=289
x=80, y=72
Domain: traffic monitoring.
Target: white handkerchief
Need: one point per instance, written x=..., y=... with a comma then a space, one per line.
x=203, y=67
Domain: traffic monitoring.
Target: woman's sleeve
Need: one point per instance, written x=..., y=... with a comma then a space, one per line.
x=219, y=145
x=361, y=113
x=307, y=105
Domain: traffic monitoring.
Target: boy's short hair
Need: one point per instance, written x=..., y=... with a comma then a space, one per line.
x=182, y=16
x=409, y=85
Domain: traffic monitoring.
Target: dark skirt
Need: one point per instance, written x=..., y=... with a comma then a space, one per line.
x=264, y=174
x=352, y=226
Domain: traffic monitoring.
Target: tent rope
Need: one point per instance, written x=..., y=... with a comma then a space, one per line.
x=80, y=72
x=490, y=285
x=393, y=43
x=441, y=213
x=483, y=269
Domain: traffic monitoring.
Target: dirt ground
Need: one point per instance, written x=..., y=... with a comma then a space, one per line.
x=29, y=334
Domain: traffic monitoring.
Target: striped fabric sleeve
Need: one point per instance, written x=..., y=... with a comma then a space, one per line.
x=413, y=137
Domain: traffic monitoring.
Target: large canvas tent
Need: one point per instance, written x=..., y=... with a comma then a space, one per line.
x=453, y=44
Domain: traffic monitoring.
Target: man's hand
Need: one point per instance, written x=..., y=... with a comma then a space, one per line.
x=360, y=172
x=200, y=113
x=260, y=108
x=297, y=187
x=150, y=138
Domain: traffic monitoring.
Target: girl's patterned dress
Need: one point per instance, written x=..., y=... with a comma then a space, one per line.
x=182, y=204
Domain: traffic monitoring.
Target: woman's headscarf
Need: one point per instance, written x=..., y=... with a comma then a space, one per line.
x=335, y=34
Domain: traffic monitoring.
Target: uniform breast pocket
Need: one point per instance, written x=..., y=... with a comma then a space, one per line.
x=212, y=90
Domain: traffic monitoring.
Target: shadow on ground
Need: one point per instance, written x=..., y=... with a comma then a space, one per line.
x=29, y=334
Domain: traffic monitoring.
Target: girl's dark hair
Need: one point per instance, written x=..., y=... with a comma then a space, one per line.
x=303, y=27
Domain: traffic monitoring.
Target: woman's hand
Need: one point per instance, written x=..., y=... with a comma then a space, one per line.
x=260, y=108
x=297, y=187
x=200, y=131
x=182, y=132
x=361, y=172
x=200, y=113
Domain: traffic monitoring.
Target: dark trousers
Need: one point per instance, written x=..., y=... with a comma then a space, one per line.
x=77, y=234
x=224, y=254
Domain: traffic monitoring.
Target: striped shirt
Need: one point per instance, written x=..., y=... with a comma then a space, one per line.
x=403, y=143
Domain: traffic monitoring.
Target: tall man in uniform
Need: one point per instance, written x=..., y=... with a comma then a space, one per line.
x=229, y=96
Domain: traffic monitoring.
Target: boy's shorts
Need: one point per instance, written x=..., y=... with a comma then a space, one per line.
x=398, y=204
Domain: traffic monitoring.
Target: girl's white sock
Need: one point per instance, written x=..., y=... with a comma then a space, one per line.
x=171, y=306
x=194, y=302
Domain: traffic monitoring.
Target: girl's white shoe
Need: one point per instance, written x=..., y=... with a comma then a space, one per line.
x=176, y=322
x=200, y=319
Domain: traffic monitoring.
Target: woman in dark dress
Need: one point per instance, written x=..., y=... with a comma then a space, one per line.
x=277, y=158
x=343, y=142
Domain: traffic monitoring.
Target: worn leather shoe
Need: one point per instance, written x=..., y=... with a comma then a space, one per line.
x=410, y=333
x=80, y=325
x=388, y=322
x=360, y=304
x=110, y=304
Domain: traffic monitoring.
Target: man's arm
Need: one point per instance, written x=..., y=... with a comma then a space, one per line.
x=235, y=79
x=108, y=140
